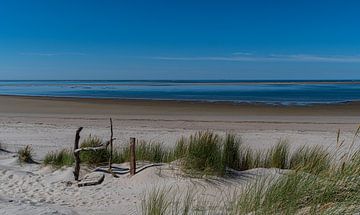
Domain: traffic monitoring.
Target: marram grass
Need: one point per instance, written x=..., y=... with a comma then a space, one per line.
x=64, y=157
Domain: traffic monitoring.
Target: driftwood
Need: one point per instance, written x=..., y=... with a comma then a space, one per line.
x=132, y=156
x=102, y=146
x=91, y=179
x=77, y=154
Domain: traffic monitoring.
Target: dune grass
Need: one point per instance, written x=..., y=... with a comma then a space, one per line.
x=278, y=155
x=168, y=201
x=149, y=151
x=310, y=159
x=331, y=190
x=305, y=190
x=202, y=154
x=145, y=151
x=231, y=152
x=26, y=154
x=97, y=157
x=64, y=157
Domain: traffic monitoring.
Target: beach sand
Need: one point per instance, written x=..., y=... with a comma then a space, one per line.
x=50, y=123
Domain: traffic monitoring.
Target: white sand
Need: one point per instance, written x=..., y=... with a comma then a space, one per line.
x=33, y=189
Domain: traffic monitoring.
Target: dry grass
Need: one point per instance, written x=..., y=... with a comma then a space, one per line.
x=26, y=154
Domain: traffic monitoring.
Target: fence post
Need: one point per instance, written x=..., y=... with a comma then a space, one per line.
x=132, y=156
x=111, y=144
x=77, y=154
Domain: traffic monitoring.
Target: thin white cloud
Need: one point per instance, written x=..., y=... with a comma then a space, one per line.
x=268, y=58
x=51, y=54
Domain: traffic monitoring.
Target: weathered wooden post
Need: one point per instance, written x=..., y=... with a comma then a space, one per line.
x=132, y=156
x=77, y=154
x=111, y=144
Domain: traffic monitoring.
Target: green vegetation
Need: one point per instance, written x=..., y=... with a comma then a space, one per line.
x=231, y=152
x=60, y=158
x=149, y=151
x=331, y=190
x=164, y=201
x=277, y=156
x=156, y=202
x=26, y=154
x=310, y=159
x=203, y=154
x=152, y=152
x=93, y=157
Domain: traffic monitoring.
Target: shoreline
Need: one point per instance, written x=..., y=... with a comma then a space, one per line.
x=192, y=102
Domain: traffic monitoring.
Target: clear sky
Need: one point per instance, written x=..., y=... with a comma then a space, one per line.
x=103, y=39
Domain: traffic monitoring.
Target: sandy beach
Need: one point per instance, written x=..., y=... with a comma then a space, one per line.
x=50, y=123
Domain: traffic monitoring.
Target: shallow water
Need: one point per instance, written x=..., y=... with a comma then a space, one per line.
x=274, y=92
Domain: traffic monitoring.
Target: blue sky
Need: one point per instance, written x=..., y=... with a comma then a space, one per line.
x=179, y=39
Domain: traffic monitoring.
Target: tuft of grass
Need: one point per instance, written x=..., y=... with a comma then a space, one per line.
x=310, y=159
x=156, y=202
x=231, y=153
x=93, y=157
x=26, y=154
x=60, y=158
x=180, y=148
x=278, y=156
x=203, y=154
x=167, y=201
x=148, y=151
x=248, y=159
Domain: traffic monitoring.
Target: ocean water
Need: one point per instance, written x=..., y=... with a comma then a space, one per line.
x=274, y=92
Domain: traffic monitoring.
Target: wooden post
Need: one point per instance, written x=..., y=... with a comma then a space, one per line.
x=132, y=156
x=77, y=154
x=111, y=144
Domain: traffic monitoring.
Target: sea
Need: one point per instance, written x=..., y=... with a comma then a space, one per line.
x=274, y=92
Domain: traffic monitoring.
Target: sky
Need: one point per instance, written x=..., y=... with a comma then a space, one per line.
x=243, y=40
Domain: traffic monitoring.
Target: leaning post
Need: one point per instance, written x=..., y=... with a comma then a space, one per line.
x=132, y=156
x=77, y=154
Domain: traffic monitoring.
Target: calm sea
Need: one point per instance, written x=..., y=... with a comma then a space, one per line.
x=274, y=92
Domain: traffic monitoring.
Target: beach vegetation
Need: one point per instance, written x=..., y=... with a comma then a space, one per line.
x=64, y=157
x=301, y=191
x=26, y=154
x=148, y=151
x=202, y=154
x=310, y=159
x=231, y=151
x=93, y=157
x=167, y=200
x=278, y=156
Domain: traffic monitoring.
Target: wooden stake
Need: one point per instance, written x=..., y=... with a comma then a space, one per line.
x=111, y=144
x=77, y=154
x=132, y=156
